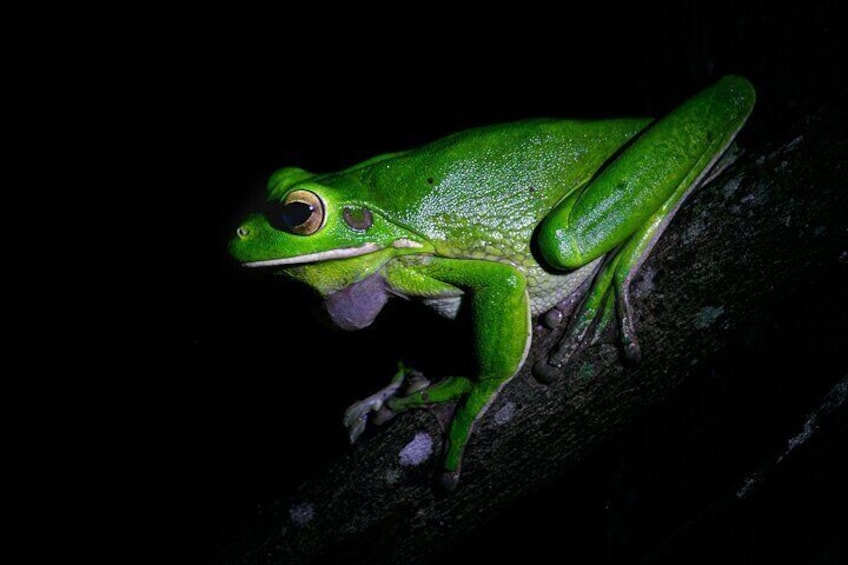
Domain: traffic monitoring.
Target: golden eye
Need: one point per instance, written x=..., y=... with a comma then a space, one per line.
x=303, y=212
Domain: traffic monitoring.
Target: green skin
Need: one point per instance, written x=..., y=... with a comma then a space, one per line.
x=511, y=219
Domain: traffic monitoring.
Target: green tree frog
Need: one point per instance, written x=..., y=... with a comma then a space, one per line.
x=509, y=220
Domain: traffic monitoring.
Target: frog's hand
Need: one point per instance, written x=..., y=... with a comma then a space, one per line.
x=629, y=204
x=358, y=414
x=408, y=389
x=501, y=315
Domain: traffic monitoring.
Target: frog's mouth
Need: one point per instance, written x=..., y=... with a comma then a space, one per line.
x=341, y=253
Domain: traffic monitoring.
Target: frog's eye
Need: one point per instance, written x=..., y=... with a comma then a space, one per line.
x=303, y=212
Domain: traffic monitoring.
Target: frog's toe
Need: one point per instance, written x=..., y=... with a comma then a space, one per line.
x=632, y=353
x=552, y=318
x=356, y=428
x=546, y=373
x=416, y=381
x=383, y=415
x=565, y=309
x=357, y=415
x=571, y=344
x=356, y=412
x=356, y=419
x=449, y=480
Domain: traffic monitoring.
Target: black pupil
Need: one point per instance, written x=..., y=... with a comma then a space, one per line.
x=296, y=213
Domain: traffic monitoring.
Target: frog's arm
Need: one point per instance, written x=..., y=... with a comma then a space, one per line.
x=628, y=205
x=500, y=310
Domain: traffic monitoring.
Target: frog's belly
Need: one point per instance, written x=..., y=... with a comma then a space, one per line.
x=546, y=290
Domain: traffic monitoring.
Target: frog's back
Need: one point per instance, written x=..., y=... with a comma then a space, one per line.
x=480, y=193
x=483, y=187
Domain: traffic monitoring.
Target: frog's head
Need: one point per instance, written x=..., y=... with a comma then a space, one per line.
x=308, y=222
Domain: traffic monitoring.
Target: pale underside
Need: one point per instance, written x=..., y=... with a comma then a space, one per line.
x=544, y=289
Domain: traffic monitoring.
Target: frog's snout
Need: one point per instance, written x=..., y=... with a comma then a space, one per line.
x=240, y=243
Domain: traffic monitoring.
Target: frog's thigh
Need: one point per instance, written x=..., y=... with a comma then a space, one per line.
x=658, y=168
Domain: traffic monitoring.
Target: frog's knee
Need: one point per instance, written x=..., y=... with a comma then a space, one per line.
x=560, y=247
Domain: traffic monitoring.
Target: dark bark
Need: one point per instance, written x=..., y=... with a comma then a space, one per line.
x=773, y=222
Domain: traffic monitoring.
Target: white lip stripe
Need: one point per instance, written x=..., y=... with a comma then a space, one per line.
x=320, y=256
x=403, y=242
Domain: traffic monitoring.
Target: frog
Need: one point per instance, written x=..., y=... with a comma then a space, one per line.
x=508, y=222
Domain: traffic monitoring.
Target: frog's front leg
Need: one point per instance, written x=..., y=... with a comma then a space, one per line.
x=374, y=408
x=407, y=389
x=625, y=209
x=500, y=311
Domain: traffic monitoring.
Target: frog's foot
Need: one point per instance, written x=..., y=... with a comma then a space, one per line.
x=374, y=408
x=448, y=480
x=357, y=415
x=626, y=330
x=410, y=390
x=730, y=156
x=605, y=300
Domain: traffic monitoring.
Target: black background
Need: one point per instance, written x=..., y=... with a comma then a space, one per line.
x=243, y=389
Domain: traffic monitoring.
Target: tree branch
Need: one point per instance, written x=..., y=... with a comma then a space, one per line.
x=775, y=218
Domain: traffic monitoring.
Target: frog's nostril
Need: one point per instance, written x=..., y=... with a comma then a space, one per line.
x=242, y=232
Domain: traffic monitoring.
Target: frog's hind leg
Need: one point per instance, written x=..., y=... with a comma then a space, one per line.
x=564, y=310
x=591, y=316
x=625, y=209
x=630, y=259
x=609, y=296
